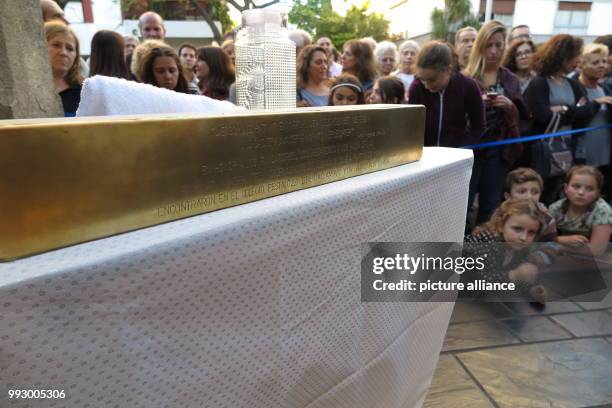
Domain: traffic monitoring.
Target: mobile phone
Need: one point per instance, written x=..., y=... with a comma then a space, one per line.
x=492, y=95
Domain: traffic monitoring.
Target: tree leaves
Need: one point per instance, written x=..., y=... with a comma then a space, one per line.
x=456, y=14
x=319, y=19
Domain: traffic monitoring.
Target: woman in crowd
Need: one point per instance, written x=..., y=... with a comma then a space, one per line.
x=345, y=89
x=386, y=58
x=358, y=60
x=187, y=55
x=215, y=72
x=408, y=52
x=503, y=101
x=335, y=54
x=131, y=42
x=107, y=55
x=518, y=60
x=455, y=115
x=161, y=67
x=228, y=47
x=63, y=46
x=388, y=89
x=594, y=147
x=312, y=71
x=552, y=91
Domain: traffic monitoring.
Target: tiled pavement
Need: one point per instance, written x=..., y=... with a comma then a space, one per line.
x=503, y=355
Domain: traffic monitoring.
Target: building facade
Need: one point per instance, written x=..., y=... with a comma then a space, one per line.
x=586, y=18
x=89, y=16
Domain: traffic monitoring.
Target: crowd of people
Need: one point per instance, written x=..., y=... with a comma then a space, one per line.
x=491, y=85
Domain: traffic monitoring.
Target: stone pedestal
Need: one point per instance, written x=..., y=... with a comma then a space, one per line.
x=26, y=82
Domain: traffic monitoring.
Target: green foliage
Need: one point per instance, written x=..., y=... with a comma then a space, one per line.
x=456, y=14
x=220, y=11
x=319, y=19
x=168, y=11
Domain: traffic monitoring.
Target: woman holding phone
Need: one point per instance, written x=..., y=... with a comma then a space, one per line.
x=501, y=94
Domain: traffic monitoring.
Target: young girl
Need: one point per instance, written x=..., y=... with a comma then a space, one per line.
x=455, y=114
x=517, y=223
x=161, y=67
x=388, y=89
x=346, y=90
x=583, y=217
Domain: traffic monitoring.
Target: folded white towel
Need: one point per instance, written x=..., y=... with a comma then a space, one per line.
x=103, y=96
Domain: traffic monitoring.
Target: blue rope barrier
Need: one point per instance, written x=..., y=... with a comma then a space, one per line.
x=532, y=138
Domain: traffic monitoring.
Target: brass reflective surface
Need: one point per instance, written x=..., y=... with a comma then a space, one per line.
x=66, y=181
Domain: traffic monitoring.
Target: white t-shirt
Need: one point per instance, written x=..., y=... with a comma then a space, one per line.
x=335, y=69
x=406, y=79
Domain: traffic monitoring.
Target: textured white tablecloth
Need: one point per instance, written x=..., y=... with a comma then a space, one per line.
x=251, y=306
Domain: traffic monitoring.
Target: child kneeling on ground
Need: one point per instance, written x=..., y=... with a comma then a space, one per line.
x=583, y=217
x=517, y=223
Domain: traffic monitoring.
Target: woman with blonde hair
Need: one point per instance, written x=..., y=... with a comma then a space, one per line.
x=594, y=147
x=504, y=106
x=63, y=46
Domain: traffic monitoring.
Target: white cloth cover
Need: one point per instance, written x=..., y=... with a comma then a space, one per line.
x=104, y=96
x=253, y=306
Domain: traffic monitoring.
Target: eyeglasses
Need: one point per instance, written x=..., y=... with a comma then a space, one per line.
x=523, y=54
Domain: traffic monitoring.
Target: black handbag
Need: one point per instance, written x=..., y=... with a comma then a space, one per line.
x=551, y=157
x=561, y=158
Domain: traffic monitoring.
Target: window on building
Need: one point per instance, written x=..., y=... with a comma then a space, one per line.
x=504, y=18
x=572, y=17
x=503, y=10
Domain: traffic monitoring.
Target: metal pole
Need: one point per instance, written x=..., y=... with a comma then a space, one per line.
x=488, y=10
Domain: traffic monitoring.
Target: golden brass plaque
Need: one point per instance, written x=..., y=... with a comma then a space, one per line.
x=66, y=181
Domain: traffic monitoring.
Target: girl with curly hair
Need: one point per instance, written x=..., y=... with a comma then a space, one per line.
x=503, y=244
x=518, y=60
